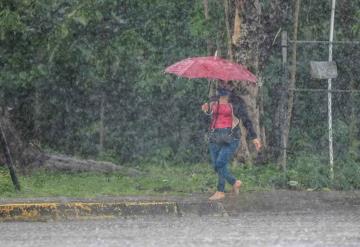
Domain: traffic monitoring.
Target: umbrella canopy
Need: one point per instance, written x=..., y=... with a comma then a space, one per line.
x=211, y=68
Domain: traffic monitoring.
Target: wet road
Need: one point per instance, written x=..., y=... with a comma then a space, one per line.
x=338, y=227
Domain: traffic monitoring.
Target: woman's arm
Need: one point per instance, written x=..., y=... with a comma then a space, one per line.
x=241, y=112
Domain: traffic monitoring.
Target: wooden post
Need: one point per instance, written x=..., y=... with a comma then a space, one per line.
x=284, y=122
x=102, y=124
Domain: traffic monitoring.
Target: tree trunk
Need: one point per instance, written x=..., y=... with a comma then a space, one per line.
x=248, y=54
x=7, y=159
x=254, y=38
x=23, y=154
x=237, y=23
x=69, y=164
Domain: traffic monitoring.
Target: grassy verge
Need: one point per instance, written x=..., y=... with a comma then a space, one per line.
x=181, y=179
x=157, y=179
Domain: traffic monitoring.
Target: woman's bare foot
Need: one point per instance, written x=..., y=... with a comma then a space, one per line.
x=236, y=187
x=217, y=196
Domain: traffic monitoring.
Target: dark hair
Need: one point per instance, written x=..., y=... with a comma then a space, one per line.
x=223, y=91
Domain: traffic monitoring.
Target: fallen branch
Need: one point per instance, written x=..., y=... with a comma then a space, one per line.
x=68, y=164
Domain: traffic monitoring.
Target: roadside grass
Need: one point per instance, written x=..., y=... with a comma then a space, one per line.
x=184, y=179
x=155, y=180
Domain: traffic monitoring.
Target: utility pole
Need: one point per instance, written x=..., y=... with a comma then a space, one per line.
x=331, y=39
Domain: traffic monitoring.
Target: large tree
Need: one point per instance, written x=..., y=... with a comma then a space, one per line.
x=256, y=26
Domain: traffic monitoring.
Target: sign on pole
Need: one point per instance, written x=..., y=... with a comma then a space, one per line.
x=323, y=70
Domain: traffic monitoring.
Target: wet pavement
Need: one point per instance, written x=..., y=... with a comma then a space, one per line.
x=252, y=219
x=306, y=228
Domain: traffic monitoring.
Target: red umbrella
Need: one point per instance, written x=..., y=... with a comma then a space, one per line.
x=211, y=68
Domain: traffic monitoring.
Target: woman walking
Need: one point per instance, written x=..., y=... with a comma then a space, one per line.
x=224, y=135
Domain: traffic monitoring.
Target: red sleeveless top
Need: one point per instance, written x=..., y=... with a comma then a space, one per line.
x=221, y=116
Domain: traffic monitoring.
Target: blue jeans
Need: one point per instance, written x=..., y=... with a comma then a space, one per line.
x=221, y=154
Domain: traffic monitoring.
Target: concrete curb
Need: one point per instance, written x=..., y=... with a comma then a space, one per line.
x=45, y=211
x=63, y=208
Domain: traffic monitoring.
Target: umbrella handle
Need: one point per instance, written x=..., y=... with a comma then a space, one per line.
x=210, y=87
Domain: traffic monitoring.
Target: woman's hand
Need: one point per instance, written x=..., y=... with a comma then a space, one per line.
x=205, y=107
x=257, y=144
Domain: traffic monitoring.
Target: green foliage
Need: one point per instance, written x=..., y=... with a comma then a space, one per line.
x=71, y=54
x=6, y=187
x=347, y=175
x=356, y=27
x=311, y=172
x=10, y=22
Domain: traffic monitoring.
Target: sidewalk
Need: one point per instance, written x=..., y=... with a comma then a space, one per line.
x=62, y=208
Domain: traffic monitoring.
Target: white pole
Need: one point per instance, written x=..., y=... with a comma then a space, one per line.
x=331, y=39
